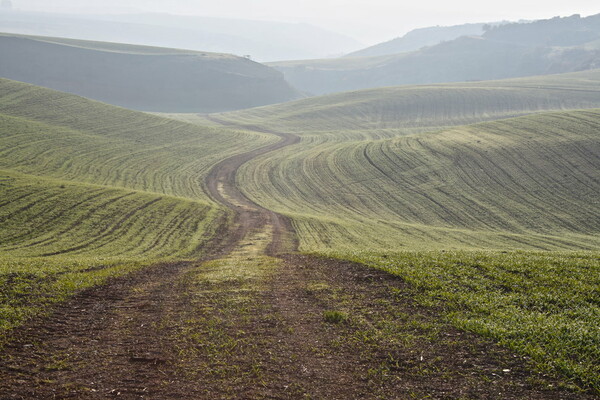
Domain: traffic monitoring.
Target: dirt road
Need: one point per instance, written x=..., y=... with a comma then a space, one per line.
x=256, y=320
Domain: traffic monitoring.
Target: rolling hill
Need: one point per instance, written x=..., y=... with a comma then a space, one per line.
x=135, y=167
x=353, y=170
x=90, y=192
x=408, y=180
x=499, y=53
x=393, y=111
x=527, y=183
x=495, y=223
x=142, y=78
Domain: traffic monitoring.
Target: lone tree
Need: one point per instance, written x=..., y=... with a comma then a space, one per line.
x=6, y=4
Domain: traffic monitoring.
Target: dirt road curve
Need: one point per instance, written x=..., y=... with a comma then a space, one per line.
x=220, y=184
x=256, y=321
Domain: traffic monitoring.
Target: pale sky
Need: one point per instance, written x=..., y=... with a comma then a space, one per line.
x=369, y=21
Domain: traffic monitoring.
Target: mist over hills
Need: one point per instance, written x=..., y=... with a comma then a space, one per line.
x=262, y=40
x=142, y=78
x=418, y=38
x=561, y=32
x=557, y=45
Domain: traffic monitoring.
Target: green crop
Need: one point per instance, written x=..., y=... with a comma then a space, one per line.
x=522, y=183
x=90, y=191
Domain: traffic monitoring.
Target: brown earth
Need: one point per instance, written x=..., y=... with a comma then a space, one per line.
x=308, y=327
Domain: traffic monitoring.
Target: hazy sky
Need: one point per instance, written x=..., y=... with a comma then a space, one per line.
x=366, y=20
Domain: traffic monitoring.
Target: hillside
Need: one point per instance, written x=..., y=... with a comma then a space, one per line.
x=91, y=192
x=263, y=40
x=132, y=264
x=333, y=185
x=142, y=78
x=527, y=183
x=418, y=38
x=134, y=167
x=393, y=111
x=495, y=223
x=498, y=54
x=560, y=32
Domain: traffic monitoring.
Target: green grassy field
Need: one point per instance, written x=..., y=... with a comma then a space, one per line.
x=89, y=191
x=63, y=136
x=526, y=183
x=393, y=111
x=44, y=217
x=495, y=224
x=490, y=214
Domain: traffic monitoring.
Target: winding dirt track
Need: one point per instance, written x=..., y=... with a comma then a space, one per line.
x=130, y=339
x=221, y=186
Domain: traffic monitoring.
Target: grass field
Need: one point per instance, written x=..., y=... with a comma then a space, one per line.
x=490, y=215
x=43, y=217
x=528, y=183
x=64, y=136
x=89, y=191
x=399, y=110
x=397, y=180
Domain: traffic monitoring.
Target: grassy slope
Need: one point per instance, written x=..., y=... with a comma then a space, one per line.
x=46, y=217
x=541, y=304
x=405, y=109
x=413, y=193
x=63, y=136
x=367, y=186
x=527, y=183
x=89, y=191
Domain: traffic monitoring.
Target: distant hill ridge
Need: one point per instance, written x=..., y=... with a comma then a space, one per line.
x=418, y=38
x=140, y=77
x=562, y=32
x=543, y=47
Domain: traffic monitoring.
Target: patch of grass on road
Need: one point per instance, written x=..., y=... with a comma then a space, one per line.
x=224, y=302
